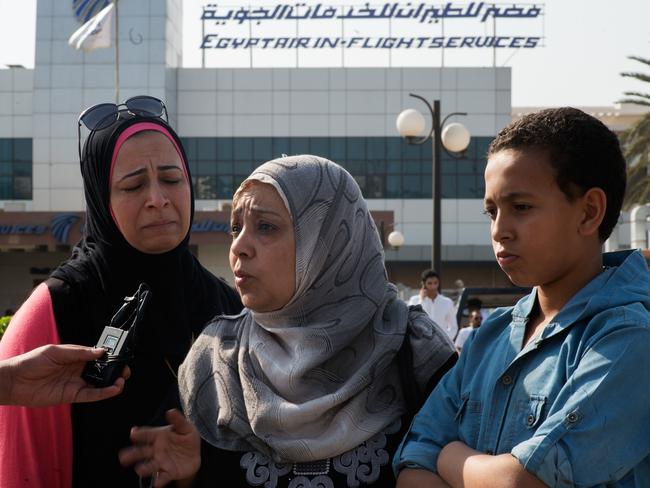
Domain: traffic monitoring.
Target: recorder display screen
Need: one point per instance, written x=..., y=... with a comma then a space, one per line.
x=110, y=342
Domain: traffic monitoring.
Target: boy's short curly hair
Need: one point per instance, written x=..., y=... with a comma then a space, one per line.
x=582, y=151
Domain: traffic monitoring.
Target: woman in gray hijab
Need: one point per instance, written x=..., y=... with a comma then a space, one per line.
x=315, y=381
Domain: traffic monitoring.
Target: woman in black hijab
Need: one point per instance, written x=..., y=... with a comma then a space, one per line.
x=129, y=239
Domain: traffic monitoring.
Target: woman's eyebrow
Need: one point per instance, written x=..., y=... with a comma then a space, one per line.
x=169, y=167
x=137, y=172
x=256, y=209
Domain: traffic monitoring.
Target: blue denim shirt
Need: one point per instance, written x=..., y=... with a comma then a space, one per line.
x=572, y=405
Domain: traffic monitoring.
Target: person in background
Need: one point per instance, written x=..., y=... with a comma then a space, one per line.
x=474, y=322
x=51, y=375
x=139, y=209
x=435, y=304
x=550, y=392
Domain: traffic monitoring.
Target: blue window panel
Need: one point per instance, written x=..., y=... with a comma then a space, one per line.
x=411, y=186
x=281, y=145
x=207, y=149
x=355, y=167
x=414, y=151
x=356, y=148
x=376, y=147
x=6, y=187
x=466, y=186
x=224, y=148
x=263, y=149
x=23, y=150
x=374, y=186
x=426, y=186
x=6, y=150
x=243, y=168
x=6, y=168
x=376, y=167
x=23, y=169
x=448, y=166
x=480, y=187
x=393, y=186
x=189, y=143
x=243, y=148
x=224, y=168
x=394, y=167
x=411, y=167
x=319, y=146
x=394, y=147
x=224, y=186
x=425, y=167
x=361, y=181
x=206, y=168
x=299, y=145
x=482, y=145
x=480, y=165
x=386, y=167
x=465, y=166
x=448, y=187
x=338, y=149
x=15, y=169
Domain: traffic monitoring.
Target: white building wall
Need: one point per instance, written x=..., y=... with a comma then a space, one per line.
x=336, y=102
x=283, y=102
x=66, y=81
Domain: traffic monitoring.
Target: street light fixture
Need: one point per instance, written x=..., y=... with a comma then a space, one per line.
x=396, y=239
x=453, y=137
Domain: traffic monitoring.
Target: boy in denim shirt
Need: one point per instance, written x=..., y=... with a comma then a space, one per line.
x=553, y=391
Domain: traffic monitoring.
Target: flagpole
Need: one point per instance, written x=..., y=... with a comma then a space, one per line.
x=117, y=53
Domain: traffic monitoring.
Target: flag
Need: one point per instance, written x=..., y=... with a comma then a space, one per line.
x=96, y=33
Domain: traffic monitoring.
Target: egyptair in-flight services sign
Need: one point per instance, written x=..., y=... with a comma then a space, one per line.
x=389, y=26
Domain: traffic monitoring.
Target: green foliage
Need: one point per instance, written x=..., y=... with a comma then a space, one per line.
x=4, y=322
x=636, y=144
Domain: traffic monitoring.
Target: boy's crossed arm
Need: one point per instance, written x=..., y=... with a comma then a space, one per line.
x=460, y=465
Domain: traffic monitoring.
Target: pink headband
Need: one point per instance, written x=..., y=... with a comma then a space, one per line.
x=134, y=129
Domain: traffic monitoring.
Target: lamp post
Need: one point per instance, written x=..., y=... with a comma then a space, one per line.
x=454, y=137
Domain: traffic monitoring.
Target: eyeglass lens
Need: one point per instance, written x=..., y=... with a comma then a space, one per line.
x=145, y=106
x=100, y=116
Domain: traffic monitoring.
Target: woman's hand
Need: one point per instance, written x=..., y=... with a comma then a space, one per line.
x=172, y=452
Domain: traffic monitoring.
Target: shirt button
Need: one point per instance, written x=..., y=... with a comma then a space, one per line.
x=506, y=379
x=530, y=420
x=572, y=417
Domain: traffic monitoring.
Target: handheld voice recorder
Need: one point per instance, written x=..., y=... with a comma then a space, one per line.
x=118, y=339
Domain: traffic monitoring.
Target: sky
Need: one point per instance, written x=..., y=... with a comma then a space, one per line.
x=586, y=44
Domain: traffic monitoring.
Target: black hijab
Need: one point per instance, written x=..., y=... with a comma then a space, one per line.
x=86, y=291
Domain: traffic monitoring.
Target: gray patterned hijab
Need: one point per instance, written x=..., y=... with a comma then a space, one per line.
x=319, y=376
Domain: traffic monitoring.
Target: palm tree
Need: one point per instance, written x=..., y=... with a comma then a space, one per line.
x=636, y=144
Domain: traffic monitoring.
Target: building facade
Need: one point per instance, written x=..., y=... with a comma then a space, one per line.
x=231, y=120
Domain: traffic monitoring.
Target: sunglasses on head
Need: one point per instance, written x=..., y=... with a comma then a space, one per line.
x=103, y=115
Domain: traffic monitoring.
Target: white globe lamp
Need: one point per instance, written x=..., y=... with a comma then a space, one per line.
x=455, y=137
x=396, y=239
x=410, y=123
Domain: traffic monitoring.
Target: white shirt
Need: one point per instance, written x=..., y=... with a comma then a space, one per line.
x=441, y=310
x=463, y=335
